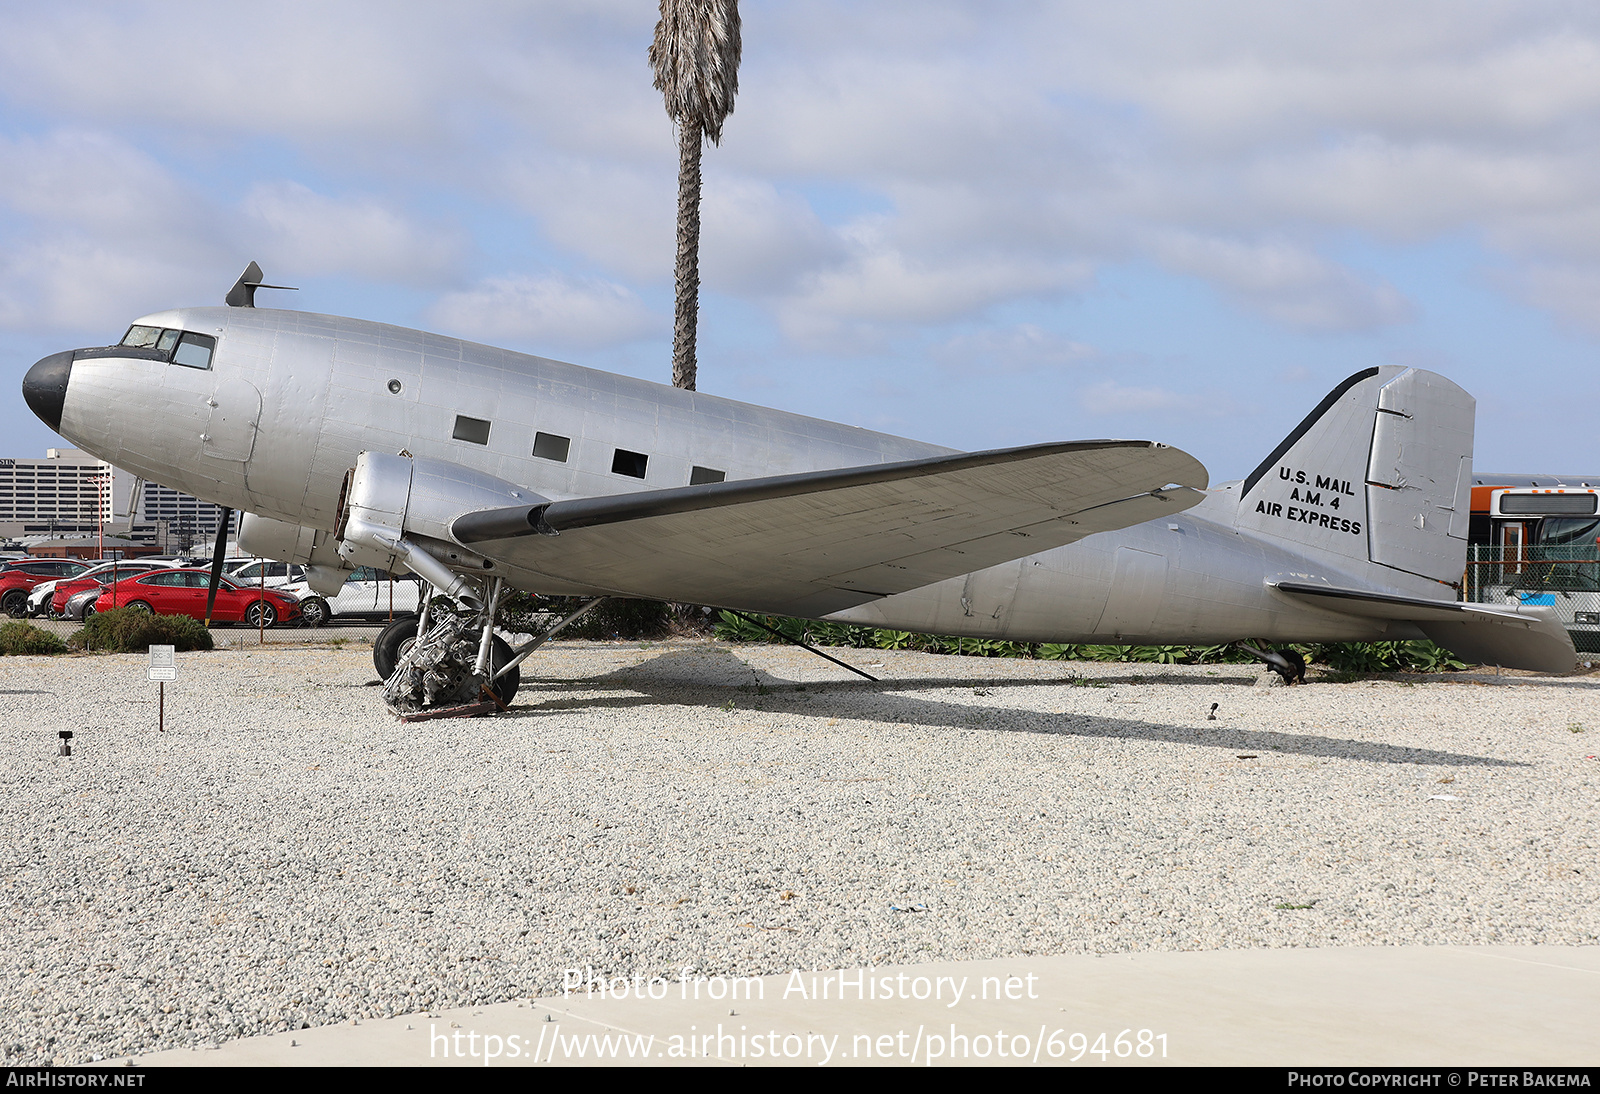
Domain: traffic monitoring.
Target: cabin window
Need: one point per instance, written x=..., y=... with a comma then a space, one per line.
x=699, y=476
x=548, y=446
x=628, y=463
x=475, y=430
x=194, y=350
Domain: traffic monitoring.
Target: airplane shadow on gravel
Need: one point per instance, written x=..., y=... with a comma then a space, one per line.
x=713, y=679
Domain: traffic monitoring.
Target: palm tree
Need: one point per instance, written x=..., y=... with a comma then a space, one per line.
x=695, y=56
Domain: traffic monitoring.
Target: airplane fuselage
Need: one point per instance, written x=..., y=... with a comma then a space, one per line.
x=290, y=400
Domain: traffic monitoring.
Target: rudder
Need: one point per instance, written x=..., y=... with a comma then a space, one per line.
x=1380, y=472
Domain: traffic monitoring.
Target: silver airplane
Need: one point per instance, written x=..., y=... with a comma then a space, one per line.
x=352, y=443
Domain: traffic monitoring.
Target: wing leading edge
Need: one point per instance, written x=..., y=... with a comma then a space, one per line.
x=819, y=542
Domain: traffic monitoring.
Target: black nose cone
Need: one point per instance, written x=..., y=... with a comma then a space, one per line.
x=45, y=387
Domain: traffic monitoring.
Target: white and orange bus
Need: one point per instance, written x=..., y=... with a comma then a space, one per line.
x=1535, y=539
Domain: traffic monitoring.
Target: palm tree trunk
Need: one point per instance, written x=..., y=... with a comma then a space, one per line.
x=688, y=263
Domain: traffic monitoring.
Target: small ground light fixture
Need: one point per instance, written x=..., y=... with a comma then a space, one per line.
x=66, y=742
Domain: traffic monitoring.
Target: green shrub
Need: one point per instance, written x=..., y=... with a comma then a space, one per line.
x=134, y=630
x=1424, y=656
x=1346, y=659
x=616, y=618
x=17, y=638
x=1360, y=657
x=1056, y=651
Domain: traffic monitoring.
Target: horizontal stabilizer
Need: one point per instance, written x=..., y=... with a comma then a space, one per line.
x=1523, y=637
x=819, y=542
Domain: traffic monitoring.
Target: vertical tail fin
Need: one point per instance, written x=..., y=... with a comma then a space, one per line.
x=1379, y=473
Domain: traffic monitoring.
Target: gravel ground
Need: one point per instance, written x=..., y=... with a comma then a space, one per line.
x=288, y=854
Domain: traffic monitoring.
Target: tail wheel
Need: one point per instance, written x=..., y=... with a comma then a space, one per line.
x=261, y=614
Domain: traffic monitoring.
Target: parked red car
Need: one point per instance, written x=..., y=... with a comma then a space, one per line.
x=183, y=592
x=17, y=578
x=68, y=587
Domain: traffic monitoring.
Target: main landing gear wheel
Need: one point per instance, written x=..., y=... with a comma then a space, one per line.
x=393, y=643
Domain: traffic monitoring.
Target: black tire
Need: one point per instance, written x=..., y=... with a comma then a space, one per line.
x=16, y=604
x=398, y=637
x=314, y=611
x=141, y=606
x=89, y=612
x=392, y=643
x=261, y=614
x=505, y=687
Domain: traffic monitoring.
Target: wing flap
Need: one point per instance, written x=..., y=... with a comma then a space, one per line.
x=817, y=543
x=1523, y=637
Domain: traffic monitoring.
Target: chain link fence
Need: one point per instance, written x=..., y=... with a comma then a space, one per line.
x=240, y=636
x=1564, y=576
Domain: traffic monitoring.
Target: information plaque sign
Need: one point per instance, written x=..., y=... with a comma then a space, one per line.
x=163, y=664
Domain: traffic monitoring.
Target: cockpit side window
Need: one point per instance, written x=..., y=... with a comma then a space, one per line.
x=181, y=347
x=194, y=350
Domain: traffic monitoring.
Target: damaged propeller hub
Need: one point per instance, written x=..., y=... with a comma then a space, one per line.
x=439, y=670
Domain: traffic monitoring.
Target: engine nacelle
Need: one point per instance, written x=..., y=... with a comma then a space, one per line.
x=405, y=506
x=312, y=548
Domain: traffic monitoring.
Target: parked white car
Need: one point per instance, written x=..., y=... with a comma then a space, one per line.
x=277, y=574
x=368, y=593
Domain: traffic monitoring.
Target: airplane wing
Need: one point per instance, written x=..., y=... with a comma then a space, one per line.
x=1523, y=637
x=816, y=543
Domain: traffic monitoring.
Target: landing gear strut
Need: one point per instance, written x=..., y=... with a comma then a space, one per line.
x=453, y=664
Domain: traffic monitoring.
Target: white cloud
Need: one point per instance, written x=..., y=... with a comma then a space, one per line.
x=1111, y=399
x=757, y=240
x=883, y=285
x=72, y=282
x=1288, y=283
x=94, y=181
x=615, y=216
x=299, y=229
x=1022, y=348
x=1570, y=291
x=555, y=310
x=100, y=233
x=1008, y=151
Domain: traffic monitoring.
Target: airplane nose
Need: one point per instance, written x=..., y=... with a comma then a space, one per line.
x=45, y=387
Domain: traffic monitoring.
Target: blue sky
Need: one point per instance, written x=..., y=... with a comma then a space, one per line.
x=975, y=224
